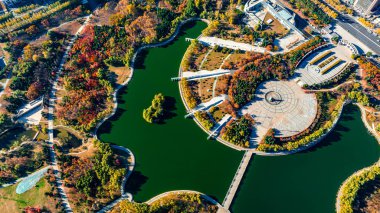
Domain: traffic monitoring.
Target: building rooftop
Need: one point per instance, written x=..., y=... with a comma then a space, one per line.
x=285, y=14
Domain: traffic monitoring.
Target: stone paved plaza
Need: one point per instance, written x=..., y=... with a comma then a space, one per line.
x=310, y=74
x=281, y=105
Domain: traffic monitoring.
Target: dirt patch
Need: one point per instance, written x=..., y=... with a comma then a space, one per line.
x=102, y=16
x=274, y=26
x=122, y=73
x=69, y=28
x=233, y=59
x=222, y=85
x=205, y=89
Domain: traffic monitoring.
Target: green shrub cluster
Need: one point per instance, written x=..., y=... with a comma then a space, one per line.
x=238, y=132
x=155, y=111
x=269, y=137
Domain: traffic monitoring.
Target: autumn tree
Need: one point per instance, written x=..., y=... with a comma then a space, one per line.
x=34, y=91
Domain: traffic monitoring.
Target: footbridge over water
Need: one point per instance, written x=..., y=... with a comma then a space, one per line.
x=237, y=179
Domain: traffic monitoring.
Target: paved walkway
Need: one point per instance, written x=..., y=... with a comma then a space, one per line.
x=204, y=196
x=124, y=195
x=206, y=105
x=56, y=171
x=330, y=89
x=203, y=74
x=215, y=131
x=237, y=179
x=212, y=41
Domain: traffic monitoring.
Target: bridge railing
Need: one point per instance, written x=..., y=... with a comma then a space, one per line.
x=236, y=175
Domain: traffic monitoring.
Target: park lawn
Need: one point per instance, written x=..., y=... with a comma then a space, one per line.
x=199, y=59
x=219, y=111
x=275, y=26
x=12, y=202
x=234, y=59
x=214, y=60
x=67, y=139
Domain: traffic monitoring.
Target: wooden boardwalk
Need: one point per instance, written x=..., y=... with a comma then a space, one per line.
x=237, y=179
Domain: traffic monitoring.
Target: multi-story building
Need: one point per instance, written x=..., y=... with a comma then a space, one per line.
x=367, y=6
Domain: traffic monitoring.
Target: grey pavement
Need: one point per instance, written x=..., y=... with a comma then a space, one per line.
x=360, y=32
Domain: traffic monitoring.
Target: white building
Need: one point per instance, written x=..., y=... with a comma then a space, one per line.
x=367, y=6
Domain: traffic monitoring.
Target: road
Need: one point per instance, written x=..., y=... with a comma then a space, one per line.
x=360, y=32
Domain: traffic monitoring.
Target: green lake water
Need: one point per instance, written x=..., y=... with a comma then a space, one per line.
x=309, y=181
x=176, y=154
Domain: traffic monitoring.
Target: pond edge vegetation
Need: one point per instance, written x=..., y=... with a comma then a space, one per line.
x=350, y=187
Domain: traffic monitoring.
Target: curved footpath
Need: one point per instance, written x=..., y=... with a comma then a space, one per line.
x=370, y=129
x=206, y=197
x=56, y=170
x=124, y=195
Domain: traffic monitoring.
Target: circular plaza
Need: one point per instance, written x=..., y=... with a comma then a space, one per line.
x=283, y=106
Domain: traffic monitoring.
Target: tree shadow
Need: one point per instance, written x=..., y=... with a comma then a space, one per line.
x=135, y=182
x=336, y=134
x=140, y=59
x=106, y=127
x=365, y=191
x=169, y=109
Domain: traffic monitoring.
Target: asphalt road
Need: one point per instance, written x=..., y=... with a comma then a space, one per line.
x=359, y=32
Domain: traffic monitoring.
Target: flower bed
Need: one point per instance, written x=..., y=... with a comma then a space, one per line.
x=331, y=66
x=327, y=61
x=320, y=57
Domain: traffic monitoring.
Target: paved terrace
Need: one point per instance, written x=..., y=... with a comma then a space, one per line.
x=215, y=131
x=203, y=74
x=212, y=41
x=206, y=105
x=281, y=105
x=311, y=74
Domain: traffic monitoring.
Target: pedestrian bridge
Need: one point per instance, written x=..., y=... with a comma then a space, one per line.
x=237, y=179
